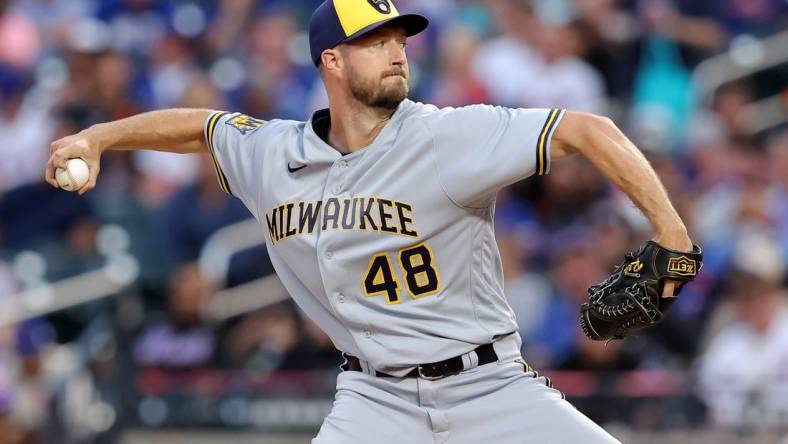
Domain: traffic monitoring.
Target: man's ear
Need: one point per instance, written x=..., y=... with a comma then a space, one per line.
x=331, y=59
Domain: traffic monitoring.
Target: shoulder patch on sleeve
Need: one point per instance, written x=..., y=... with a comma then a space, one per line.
x=245, y=124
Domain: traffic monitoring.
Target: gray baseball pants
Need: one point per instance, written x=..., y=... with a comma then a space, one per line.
x=498, y=403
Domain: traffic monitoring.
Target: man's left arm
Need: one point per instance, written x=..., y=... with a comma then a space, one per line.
x=600, y=141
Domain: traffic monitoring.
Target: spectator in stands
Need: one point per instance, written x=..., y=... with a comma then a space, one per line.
x=742, y=373
x=281, y=85
x=729, y=104
x=25, y=394
x=54, y=18
x=37, y=214
x=710, y=21
x=20, y=40
x=33, y=394
x=8, y=428
x=574, y=265
x=263, y=340
x=778, y=189
x=136, y=26
x=180, y=339
x=459, y=86
x=573, y=84
x=60, y=225
x=741, y=204
x=165, y=174
x=230, y=25
x=531, y=50
x=313, y=351
x=197, y=211
x=596, y=356
x=689, y=22
x=505, y=64
x=172, y=72
x=610, y=35
x=113, y=75
x=568, y=193
x=528, y=292
x=25, y=120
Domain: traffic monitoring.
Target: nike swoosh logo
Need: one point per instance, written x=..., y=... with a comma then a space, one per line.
x=293, y=170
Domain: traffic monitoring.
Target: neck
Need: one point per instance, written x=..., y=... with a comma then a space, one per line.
x=355, y=125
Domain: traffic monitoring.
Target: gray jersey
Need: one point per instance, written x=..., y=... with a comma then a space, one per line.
x=390, y=249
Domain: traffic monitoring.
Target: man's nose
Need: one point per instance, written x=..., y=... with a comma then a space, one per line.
x=398, y=56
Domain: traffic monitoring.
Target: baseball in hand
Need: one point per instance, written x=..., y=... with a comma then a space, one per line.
x=74, y=176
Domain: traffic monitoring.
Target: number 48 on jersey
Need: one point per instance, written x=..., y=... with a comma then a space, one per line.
x=421, y=277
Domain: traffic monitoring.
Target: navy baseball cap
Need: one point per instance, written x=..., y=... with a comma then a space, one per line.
x=340, y=21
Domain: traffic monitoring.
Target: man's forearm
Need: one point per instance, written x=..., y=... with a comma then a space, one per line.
x=173, y=130
x=624, y=165
x=613, y=155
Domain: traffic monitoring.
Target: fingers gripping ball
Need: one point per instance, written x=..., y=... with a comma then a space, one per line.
x=74, y=176
x=631, y=298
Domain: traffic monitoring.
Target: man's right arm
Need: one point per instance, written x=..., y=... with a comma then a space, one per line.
x=174, y=130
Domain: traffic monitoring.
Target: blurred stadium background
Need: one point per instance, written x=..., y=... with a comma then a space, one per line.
x=146, y=311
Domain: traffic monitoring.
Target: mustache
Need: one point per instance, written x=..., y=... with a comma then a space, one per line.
x=395, y=72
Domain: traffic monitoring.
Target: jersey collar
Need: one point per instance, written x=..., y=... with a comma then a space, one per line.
x=316, y=150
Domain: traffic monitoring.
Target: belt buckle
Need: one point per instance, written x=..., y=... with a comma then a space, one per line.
x=420, y=371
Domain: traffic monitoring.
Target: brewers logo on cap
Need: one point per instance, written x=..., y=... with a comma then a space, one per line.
x=340, y=21
x=383, y=6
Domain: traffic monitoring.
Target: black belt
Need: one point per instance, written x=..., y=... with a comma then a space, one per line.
x=435, y=370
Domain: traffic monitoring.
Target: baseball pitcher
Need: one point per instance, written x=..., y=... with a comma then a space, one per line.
x=378, y=216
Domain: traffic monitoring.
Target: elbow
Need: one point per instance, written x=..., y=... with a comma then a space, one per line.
x=593, y=124
x=586, y=131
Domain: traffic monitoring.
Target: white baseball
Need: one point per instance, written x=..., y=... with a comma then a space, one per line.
x=74, y=176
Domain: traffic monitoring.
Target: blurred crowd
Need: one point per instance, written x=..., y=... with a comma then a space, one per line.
x=721, y=150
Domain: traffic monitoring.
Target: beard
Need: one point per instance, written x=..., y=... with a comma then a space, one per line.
x=373, y=93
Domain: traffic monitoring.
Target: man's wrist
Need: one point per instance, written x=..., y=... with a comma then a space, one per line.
x=98, y=136
x=676, y=238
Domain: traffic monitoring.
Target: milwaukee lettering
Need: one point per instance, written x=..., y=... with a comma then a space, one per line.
x=358, y=213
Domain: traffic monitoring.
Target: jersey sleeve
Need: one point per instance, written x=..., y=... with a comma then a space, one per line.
x=480, y=149
x=236, y=150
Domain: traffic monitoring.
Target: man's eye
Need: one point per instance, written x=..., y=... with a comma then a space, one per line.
x=380, y=44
